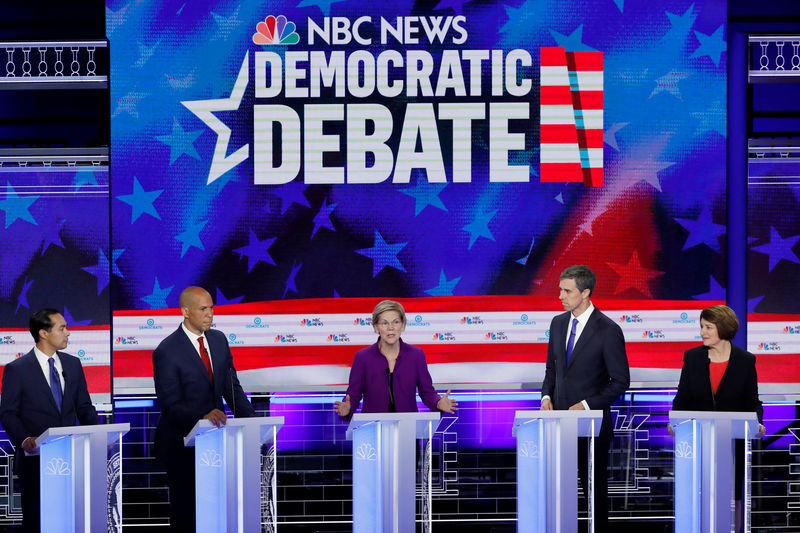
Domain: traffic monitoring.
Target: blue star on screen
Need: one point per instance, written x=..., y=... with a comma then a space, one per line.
x=702, y=230
x=447, y=220
x=572, y=42
x=72, y=322
x=610, y=135
x=191, y=237
x=291, y=285
x=445, y=287
x=22, y=298
x=226, y=25
x=778, y=248
x=425, y=194
x=524, y=259
x=141, y=201
x=84, y=177
x=52, y=235
x=17, y=207
x=180, y=142
x=100, y=270
x=480, y=227
x=291, y=193
x=715, y=291
x=323, y=218
x=256, y=250
x=711, y=45
x=456, y=5
x=323, y=5
x=383, y=254
x=222, y=300
x=158, y=298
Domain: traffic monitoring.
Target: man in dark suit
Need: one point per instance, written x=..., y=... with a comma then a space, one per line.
x=42, y=389
x=193, y=369
x=587, y=368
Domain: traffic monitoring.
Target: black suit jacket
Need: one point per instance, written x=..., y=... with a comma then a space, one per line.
x=738, y=390
x=185, y=392
x=27, y=407
x=598, y=369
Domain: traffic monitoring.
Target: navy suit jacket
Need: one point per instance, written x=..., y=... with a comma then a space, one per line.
x=598, y=369
x=27, y=406
x=738, y=390
x=186, y=393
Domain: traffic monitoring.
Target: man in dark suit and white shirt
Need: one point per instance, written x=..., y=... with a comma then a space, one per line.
x=42, y=389
x=587, y=368
x=193, y=370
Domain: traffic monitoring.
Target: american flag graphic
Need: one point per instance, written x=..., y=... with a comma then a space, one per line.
x=571, y=116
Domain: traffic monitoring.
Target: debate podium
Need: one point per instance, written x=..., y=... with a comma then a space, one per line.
x=704, y=468
x=230, y=474
x=81, y=478
x=547, y=468
x=384, y=470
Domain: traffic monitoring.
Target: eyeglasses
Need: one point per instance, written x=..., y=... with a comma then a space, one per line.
x=394, y=323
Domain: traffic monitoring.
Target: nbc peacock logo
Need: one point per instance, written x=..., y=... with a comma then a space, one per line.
x=275, y=31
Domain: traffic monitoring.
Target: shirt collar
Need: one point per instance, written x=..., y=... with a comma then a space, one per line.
x=42, y=357
x=192, y=336
x=583, y=318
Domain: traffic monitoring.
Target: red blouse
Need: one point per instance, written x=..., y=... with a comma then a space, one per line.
x=717, y=370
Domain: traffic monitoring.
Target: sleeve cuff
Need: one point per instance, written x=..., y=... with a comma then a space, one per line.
x=585, y=405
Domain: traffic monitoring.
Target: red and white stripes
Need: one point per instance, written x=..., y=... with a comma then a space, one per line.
x=571, y=116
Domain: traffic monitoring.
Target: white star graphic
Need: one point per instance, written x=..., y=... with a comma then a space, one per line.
x=204, y=109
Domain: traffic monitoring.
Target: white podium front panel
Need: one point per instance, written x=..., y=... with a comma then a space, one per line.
x=384, y=470
x=81, y=478
x=547, y=468
x=704, y=468
x=229, y=475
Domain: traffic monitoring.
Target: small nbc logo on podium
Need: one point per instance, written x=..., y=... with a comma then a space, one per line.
x=276, y=30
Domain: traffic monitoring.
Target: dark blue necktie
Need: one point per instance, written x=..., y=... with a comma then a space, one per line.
x=571, y=342
x=55, y=383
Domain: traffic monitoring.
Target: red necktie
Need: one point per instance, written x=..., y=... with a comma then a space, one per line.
x=205, y=358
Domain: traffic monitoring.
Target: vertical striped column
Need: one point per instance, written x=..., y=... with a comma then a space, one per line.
x=586, y=89
x=560, y=153
x=571, y=105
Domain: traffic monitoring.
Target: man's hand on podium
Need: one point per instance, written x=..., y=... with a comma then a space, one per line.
x=546, y=405
x=761, y=432
x=447, y=404
x=216, y=417
x=29, y=444
x=343, y=408
x=578, y=407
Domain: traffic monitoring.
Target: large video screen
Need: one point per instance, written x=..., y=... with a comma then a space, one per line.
x=302, y=160
x=54, y=232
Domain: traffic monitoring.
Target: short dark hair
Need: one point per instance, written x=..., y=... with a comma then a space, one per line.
x=583, y=276
x=724, y=318
x=40, y=320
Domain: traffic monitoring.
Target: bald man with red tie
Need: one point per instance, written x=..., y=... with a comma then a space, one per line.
x=193, y=370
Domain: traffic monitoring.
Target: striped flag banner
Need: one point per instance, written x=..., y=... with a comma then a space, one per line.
x=469, y=340
x=571, y=133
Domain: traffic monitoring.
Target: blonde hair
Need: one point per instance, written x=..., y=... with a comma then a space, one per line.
x=388, y=305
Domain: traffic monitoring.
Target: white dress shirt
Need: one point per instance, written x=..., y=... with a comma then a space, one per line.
x=42, y=358
x=583, y=318
x=193, y=337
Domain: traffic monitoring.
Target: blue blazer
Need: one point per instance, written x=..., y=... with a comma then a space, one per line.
x=185, y=392
x=598, y=369
x=27, y=406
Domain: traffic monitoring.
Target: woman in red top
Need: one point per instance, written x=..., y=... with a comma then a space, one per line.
x=720, y=376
